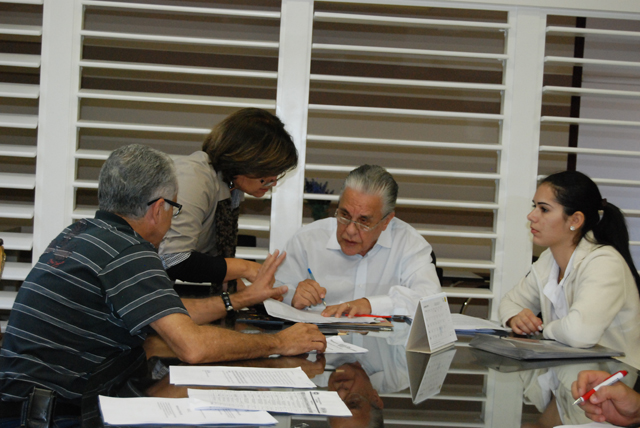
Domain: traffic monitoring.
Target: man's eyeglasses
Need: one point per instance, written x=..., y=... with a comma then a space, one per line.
x=176, y=206
x=272, y=183
x=359, y=226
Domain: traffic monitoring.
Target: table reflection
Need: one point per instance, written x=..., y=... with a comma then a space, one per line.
x=460, y=386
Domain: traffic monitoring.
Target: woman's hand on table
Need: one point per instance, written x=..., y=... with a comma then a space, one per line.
x=348, y=309
x=525, y=323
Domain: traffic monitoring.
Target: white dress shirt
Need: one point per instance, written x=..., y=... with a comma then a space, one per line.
x=393, y=275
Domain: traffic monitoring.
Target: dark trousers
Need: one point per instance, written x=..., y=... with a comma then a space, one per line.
x=40, y=410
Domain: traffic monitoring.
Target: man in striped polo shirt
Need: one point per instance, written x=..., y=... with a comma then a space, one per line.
x=100, y=288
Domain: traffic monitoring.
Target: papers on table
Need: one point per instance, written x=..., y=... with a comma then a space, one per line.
x=589, y=425
x=239, y=376
x=465, y=323
x=174, y=411
x=287, y=312
x=326, y=403
x=335, y=345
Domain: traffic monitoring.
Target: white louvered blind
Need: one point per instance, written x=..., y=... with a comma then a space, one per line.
x=600, y=136
x=420, y=92
x=163, y=75
x=20, y=37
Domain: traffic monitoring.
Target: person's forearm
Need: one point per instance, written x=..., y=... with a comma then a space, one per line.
x=228, y=345
x=239, y=268
x=195, y=344
x=205, y=311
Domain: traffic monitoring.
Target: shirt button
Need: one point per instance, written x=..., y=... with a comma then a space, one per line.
x=361, y=286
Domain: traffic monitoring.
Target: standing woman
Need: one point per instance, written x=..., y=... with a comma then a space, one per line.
x=585, y=283
x=248, y=152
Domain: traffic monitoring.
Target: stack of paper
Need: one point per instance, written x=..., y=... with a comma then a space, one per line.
x=239, y=377
x=224, y=407
x=466, y=324
x=287, y=312
x=174, y=411
x=326, y=403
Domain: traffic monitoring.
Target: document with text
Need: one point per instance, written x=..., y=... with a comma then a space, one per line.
x=463, y=323
x=326, y=403
x=335, y=345
x=174, y=411
x=287, y=312
x=239, y=376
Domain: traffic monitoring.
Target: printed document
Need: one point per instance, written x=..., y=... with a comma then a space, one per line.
x=239, y=376
x=287, y=312
x=463, y=322
x=335, y=345
x=174, y=411
x=326, y=403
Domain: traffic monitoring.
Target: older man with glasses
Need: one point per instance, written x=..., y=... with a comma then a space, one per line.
x=363, y=261
x=100, y=288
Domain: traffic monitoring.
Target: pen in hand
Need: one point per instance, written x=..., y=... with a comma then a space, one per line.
x=314, y=279
x=608, y=381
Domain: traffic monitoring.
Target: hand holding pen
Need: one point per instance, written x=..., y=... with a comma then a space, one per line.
x=313, y=278
x=308, y=293
x=617, y=404
x=607, y=382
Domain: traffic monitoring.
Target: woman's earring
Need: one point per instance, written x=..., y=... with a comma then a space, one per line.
x=572, y=228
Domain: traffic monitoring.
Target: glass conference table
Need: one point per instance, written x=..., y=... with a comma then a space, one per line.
x=458, y=387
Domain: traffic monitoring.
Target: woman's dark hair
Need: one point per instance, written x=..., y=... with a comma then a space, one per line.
x=577, y=192
x=250, y=142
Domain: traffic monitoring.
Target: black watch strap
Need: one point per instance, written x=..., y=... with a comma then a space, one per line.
x=227, y=301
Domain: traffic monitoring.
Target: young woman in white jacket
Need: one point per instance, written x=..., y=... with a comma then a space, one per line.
x=585, y=284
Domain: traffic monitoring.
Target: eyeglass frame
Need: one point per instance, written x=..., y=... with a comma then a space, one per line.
x=168, y=201
x=360, y=226
x=272, y=182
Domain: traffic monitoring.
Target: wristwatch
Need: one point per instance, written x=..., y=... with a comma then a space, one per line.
x=227, y=301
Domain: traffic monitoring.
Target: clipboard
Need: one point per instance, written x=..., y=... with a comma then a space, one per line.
x=432, y=327
x=534, y=349
x=259, y=317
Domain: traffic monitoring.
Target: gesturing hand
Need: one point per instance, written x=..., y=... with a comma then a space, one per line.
x=262, y=288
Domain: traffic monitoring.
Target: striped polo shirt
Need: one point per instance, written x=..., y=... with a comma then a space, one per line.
x=90, y=297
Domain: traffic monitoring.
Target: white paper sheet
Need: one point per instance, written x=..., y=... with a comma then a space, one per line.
x=588, y=425
x=239, y=376
x=174, y=411
x=335, y=345
x=466, y=323
x=287, y=312
x=326, y=403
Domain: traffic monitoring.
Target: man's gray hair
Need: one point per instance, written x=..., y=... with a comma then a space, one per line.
x=132, y=176
x=374, y=180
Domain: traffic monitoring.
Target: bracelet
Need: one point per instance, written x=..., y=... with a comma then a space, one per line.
x=227, y=301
